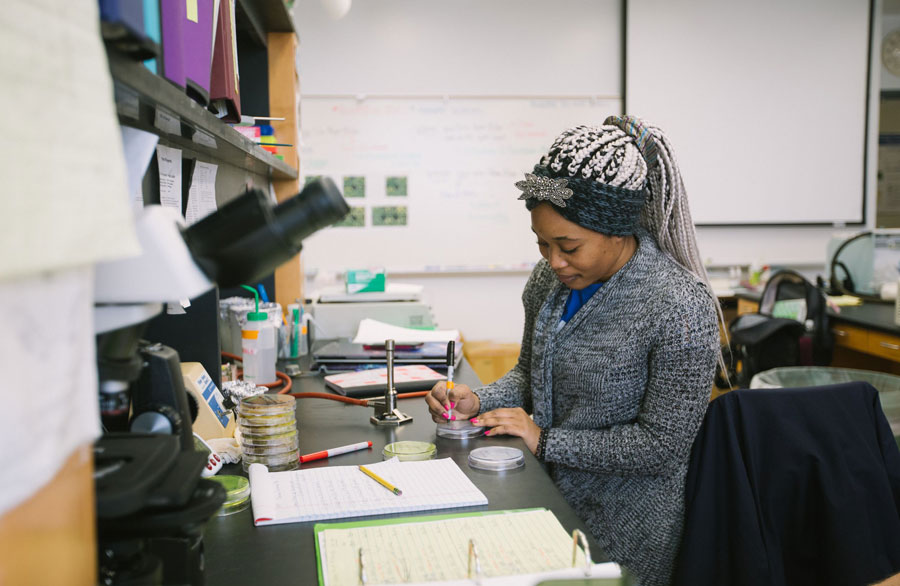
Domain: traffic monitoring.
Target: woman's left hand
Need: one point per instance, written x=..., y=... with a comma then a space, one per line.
x=510, y=422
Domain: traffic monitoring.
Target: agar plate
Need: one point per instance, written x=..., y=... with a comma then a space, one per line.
x=408, y=451
x=266, y=404
x=237, y=494
x=269, y=450
x=273, y=459
x=292, y=465
x=496, y=458
x=266, y=432
x=288, y=417
x=458, y=429
x=289, y=437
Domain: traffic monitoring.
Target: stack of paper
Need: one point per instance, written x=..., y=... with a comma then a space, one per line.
x=392, y=292
x=374, y=332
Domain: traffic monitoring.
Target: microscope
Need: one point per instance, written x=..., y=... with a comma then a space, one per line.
x=151, y=501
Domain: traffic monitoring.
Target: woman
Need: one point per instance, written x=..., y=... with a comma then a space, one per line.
x=620, y=341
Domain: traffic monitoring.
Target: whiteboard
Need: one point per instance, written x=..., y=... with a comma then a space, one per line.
x=765, y=103
x=461, y=158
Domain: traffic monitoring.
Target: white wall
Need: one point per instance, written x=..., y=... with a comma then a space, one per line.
x=462, y=47
x=470, y=48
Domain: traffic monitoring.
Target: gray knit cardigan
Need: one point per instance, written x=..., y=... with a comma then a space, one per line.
x=621, y=390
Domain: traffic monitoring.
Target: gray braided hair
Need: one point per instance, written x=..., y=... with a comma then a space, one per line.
x=666, y=213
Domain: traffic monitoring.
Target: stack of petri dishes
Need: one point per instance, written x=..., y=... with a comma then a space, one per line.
x=268, y=426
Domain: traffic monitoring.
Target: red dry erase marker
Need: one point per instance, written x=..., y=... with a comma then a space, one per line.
x=335, y=452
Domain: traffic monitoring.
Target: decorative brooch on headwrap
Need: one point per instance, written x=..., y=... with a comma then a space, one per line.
x=545, y=188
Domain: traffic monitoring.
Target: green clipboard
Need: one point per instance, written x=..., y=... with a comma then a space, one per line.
x=319, y=527
x=540, y=527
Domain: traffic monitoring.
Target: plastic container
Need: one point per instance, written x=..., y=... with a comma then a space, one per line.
x=258, y=349
x=888, y=385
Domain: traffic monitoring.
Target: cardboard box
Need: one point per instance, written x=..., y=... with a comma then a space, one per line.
x=491, y=360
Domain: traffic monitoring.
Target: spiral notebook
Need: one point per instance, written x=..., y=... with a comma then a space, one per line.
x=335, y=492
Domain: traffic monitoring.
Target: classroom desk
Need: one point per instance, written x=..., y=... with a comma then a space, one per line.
x=239, y=553
x=865, y=336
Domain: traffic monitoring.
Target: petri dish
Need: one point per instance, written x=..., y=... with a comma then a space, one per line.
x=409, y=450
x=458, y=429
x=269, y=431
x=237, y=494
x=496, y=458
x=267, y=404
x=288, y=437
x=291, y=465
x=273, y=459
x=267, y=450
x=288, y=417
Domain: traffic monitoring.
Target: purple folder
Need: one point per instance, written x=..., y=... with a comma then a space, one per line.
x=187, y=36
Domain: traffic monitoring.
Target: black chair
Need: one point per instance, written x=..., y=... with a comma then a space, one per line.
x=763, y=340
x=792, y=487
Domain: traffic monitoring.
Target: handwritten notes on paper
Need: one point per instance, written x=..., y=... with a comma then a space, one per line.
x=169, y=162
x=509, y=543
x=202, y=194
x=344, y=491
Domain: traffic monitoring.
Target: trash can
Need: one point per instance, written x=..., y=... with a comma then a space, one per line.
x=888, y=385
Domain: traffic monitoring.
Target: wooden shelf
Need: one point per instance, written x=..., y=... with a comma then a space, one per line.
x=140, y=93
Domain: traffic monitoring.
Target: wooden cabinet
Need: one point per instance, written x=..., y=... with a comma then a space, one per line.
x=884, y=345
x=747, y=306
x=852, y=337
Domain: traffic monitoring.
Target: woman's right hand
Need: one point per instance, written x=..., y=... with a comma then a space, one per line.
x=461, y=400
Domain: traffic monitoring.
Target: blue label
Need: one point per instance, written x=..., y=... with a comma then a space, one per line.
x=209, y=389
x=218, y=411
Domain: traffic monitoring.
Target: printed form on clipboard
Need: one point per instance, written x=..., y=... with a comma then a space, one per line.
x=491, y=548
x=335, y=492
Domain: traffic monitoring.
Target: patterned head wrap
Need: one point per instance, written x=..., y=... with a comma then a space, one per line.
x=595, y=176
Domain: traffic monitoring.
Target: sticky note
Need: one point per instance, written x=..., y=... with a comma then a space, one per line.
x=191, y=10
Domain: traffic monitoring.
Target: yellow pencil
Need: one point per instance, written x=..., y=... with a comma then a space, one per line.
x=381, y=481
